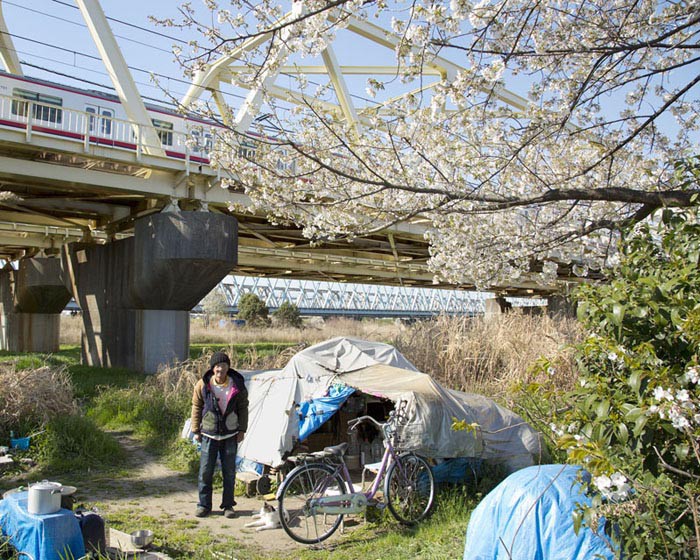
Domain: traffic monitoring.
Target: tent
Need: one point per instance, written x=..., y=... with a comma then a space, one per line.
x=287, y=405
x=530, y=516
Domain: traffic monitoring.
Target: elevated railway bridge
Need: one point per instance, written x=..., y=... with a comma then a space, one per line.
x=114, y=202
x=319, y=298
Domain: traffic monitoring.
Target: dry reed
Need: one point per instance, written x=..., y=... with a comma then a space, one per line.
x=177, y=380
x=489, y=355
x=314, y=330
x=71, y=326
x=38, y=394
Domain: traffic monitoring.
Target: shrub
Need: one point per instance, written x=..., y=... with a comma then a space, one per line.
x=31, y=398
x=253, y=310
x=288, y=315
x=634, y=419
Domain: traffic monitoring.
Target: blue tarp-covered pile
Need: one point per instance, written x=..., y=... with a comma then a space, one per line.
x=529, y=516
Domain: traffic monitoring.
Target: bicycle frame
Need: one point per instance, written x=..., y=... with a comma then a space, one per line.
x=351, y=502
x=314, y=493
x=354, y=502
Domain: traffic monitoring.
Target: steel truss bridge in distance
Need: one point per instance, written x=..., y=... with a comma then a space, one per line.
x=319, y=298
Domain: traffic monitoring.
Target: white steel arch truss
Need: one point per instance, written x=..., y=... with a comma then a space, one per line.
x=226, y=69
x=332, y=298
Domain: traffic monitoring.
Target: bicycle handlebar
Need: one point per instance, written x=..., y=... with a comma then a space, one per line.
x=396, y=416
x=352, y=424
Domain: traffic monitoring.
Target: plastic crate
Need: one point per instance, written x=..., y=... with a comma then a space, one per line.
x=19, y=443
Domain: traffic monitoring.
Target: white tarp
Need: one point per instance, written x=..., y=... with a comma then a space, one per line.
x=380, y=370
x=273, y=422
x=504, y=436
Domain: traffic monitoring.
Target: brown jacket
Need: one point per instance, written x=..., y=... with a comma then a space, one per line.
x=207, y=417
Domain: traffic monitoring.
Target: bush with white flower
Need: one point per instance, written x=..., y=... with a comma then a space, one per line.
x=633, y=420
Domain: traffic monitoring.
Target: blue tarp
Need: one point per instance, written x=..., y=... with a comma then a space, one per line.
x=529, y=516
x=313, y=413
x=52, y=536
x=457, y=470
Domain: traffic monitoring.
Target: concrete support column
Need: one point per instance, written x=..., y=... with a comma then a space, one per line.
x=31, y=300
x=561, y=306
x=496, y=306
x=136, y=293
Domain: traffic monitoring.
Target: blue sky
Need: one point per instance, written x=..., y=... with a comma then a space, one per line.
x=39, y=26
x=53, y=40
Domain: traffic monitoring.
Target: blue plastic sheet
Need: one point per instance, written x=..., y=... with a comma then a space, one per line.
x=457, y=470
x=529, y=516
x=314, y=413
x=54, y=536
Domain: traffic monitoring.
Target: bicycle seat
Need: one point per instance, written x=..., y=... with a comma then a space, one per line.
x=337, y=450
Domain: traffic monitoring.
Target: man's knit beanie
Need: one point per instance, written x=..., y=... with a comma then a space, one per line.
x=218, y=358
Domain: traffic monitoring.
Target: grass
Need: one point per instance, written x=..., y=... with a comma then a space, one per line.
x=183, y=538
x=87, y=380
x=441, y=537
x=467, y=354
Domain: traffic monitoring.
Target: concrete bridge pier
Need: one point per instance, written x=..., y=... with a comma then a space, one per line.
x=494, y=307
x=31, y=300
x=561, y=306
x=136, y=293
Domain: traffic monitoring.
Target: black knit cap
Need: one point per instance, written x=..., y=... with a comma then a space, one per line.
x=218, y=358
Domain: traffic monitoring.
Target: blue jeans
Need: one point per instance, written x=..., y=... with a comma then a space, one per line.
x=225, y=450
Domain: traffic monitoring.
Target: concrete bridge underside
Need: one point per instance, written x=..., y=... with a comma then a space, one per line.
x=138, y=236
x=138, y=240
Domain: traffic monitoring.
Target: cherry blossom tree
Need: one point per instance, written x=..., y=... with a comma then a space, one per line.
x=604, y=135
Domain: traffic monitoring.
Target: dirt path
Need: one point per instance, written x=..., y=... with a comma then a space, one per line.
x=152, y=489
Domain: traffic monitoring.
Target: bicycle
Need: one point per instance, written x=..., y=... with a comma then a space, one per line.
x=316, y=495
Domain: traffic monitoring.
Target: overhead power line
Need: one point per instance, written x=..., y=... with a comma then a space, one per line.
x=128, y=24
x=79, y=24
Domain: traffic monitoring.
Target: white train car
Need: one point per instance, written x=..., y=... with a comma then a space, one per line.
x=97, y=118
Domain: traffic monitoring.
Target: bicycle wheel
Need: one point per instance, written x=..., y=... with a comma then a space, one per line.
x=410, y=489
x=297, y=513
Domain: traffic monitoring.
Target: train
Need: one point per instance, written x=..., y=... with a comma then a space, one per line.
x=98, y=118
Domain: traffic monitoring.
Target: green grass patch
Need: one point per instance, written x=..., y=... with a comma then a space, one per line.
x=89, y=381
x=440, y=537
x=183, y=538
x=76, y=443
x=143, y=409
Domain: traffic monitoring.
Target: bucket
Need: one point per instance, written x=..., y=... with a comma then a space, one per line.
x=352, y=461
x=19, y=443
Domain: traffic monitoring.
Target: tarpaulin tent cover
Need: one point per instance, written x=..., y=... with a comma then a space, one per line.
x=311, y=385
x=529, y=516
x=503, y=436
x=276, y=397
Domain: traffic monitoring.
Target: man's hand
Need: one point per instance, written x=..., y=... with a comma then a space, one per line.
x=198, y=437
x=239, y=437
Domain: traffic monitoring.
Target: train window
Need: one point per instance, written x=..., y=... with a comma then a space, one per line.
x=164, y=130
x=246, y=149
x=201, y=142
x=45, y=107
x=282, y=164
x=100, y=120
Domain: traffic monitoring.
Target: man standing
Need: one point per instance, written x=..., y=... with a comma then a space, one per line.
x=219, y=421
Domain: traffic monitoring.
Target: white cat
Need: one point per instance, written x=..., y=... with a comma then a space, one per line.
x=268, y=518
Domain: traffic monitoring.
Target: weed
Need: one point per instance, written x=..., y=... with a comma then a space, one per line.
x=75, y=442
